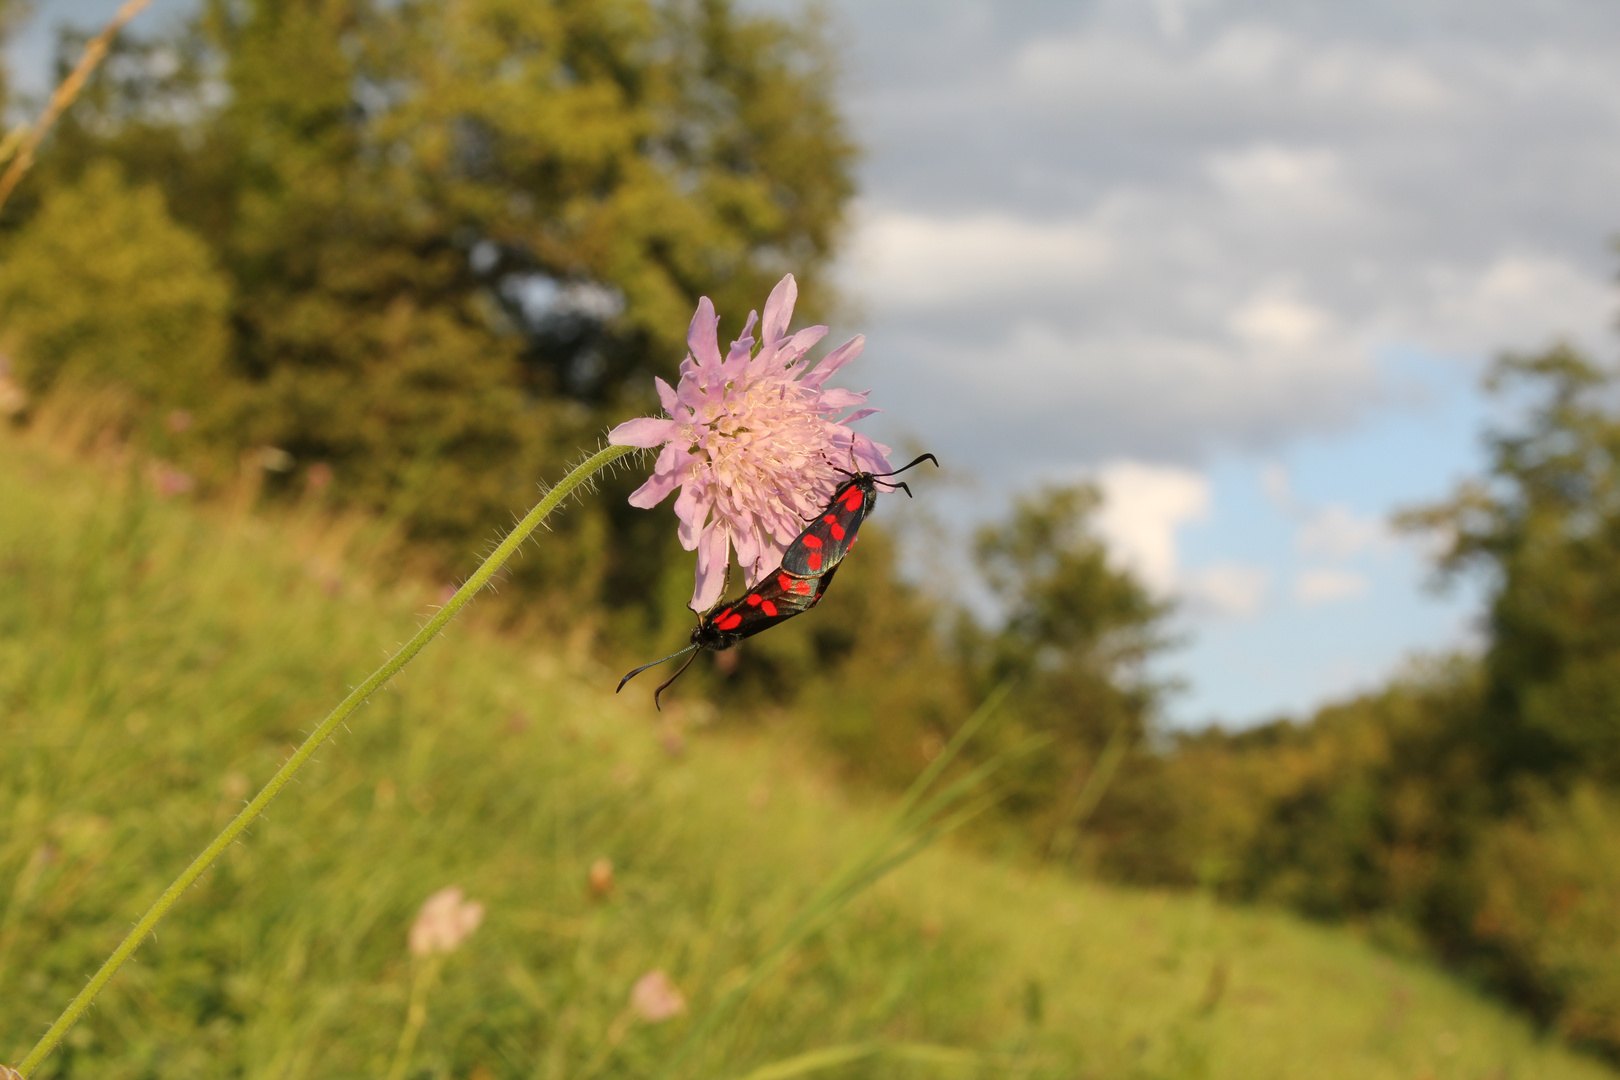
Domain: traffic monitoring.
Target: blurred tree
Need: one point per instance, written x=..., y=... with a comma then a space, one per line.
x=463, y=234
x=1076, y=637
x=1546, y=526
x=1077, y=631
x=103, y=287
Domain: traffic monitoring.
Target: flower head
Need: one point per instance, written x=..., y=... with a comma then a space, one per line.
x=753, y=440
x=655, y=998
x=446, y=920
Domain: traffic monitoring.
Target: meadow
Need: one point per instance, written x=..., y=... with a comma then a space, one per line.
x=159, y=659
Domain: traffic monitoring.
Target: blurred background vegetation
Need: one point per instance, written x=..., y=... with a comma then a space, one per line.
x=403, y=286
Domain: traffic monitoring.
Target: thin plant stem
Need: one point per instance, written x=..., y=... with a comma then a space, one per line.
x=917, y=821
x=480, y=577
x=94, y=50
x=427, y=972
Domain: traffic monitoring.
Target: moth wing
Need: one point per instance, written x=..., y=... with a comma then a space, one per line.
x=826, y=540
x=776, y=599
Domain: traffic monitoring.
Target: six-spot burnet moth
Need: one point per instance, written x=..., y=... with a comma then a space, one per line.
x=808, y=566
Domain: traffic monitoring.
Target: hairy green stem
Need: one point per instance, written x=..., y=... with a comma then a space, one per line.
x=356, y=698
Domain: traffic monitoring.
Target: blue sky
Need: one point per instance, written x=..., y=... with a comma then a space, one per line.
x=1240, y=262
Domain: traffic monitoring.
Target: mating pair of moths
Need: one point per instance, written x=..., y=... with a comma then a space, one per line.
x=807, y=569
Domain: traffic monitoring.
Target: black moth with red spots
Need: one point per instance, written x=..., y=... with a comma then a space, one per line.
x=808, y=567
x=824, y=543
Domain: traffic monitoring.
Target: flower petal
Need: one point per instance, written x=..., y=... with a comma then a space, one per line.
x=800, y=343
x=714, y=554
x=643, y=431
x=779, y=310
x=859, y=414
x=741, y=349
x=692, y=508
x=747, y=543
x=703, y=336
x=834, y=360
x=666, y=395
x=872, y=456
x=655, y=490
x=838, y=400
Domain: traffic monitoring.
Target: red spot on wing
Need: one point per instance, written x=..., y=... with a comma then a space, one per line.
x=837, y=530
x=814, y=560
x=853, y=499
x=830, y=519
x=753, y=599
x=784, y=582
x=768, y=608
x=729, y=621
x=811, y=541
x=802, y=588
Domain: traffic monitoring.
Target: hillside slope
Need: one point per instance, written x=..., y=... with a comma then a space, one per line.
x=157, y=662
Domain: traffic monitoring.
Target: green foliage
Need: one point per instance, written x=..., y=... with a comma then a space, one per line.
x=1546, y=527
x=103, y=288
x=464, y=237
x=155, y=663
x=1365, y=812
x=1468, y=809
x=1075, y=637
x=1550, y=885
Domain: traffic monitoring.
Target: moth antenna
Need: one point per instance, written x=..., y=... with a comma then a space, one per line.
x=899, y=485
x=672, y=678
x=918, y=460
x=655, y=663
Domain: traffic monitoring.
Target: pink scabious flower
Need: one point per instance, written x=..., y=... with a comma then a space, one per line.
x=753, y=440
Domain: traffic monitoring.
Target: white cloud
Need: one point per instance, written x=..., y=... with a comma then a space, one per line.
x=1230, y=589
x=1312, y=587
x=908, y=260
x=1517, y=300
x=1143, y=507
x=1272, y=319
x=1162, y=230
x=1333, y=531
x=1284, y=182
x=1336, y=532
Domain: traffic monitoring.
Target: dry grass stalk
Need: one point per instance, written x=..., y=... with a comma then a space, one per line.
x=65, y=95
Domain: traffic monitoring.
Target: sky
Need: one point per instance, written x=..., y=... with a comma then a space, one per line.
x=1240, y=263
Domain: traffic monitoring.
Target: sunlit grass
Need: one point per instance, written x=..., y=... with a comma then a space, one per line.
x=156, y=664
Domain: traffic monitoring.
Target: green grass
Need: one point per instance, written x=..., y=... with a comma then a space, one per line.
x=156, y=663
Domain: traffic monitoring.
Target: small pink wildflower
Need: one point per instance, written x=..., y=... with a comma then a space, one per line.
x=753, y=440
x=445, y=921
x=655, y=999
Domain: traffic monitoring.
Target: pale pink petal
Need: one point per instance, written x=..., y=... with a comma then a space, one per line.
x=834, y=360
x=667, y=396
x=859, y=414
x=703, y=336
x=673, y=460
x=779, y=310
x=747, y=544
x=741, y=349
x=655, y=490
x=800, y=343
x=691, y=394
x=692, y=508
x=714, y=554
x=872, y=456
x=839, y=400
x=644, y=431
